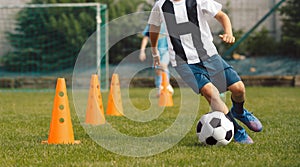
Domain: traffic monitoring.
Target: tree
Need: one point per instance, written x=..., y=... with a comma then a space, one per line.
x=39, y=30
x=291, y=27
x=48, y=39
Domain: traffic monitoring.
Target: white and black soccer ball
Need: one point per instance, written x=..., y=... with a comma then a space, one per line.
x=214, y=128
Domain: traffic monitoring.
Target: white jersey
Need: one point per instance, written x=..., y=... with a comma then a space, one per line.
x=189, y=36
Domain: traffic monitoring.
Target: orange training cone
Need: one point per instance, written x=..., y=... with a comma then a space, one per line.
x=61, y=130
x=94, y=110
x=165, y=97
x=114, y=106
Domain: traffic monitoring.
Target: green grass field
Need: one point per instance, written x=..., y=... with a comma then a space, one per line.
x=25, y=120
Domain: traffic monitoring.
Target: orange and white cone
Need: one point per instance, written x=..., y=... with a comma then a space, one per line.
x=61, y=130
x=114, y=106
x=94, y=110
x=165, y=97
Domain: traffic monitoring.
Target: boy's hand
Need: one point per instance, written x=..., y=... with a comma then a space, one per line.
x=156, y=57
x=227, y=38
x=142, y=55
x=156, y=61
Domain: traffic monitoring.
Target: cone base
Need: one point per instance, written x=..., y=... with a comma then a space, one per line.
x=165, y=100
x=94, y=124
x=75, y=142
x=117, y=115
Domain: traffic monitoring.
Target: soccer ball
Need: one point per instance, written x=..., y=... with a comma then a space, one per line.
x=214, y=128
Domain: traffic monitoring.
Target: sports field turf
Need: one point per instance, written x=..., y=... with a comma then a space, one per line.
x=25, y=119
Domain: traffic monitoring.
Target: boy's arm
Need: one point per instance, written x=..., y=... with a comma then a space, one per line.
x=143, y=47
x=225, y=22
x=154, y=34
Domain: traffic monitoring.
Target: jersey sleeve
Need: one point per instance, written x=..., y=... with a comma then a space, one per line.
x=210, y=7
x=155, y=16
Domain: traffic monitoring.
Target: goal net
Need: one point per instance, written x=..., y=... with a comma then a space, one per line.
x=44, y=40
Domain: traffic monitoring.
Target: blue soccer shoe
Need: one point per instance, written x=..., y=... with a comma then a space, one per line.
x=242, y=137
x=249, y=120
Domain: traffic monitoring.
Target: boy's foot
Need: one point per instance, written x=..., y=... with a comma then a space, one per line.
x=241, y=136
x=249, y=120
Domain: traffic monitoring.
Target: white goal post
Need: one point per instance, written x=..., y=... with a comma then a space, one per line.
x=8, y=16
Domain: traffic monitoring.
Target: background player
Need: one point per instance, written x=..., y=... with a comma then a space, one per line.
x=164, y=58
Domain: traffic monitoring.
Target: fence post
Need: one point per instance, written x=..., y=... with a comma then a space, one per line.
x=297, y=81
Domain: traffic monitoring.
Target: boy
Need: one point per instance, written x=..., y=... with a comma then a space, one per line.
x=164, y=58
x=196, y=59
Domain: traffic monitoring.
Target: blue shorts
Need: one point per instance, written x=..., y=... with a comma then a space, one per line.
x=214, y=70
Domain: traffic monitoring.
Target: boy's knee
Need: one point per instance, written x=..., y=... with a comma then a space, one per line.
x=209, y=90
x=238, y=88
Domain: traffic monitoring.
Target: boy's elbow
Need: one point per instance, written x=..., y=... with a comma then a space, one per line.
x=220, y=16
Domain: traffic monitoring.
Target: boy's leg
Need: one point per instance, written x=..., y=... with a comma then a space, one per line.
x=164, y=62
x=211, y=93
x=164, y=68
x=201, y=84
x=238, y=110
x=236, y=86
x=157, y=78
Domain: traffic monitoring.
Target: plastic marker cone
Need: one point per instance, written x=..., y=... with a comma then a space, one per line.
x=165, y=97
x=114, y=106
x=94, y=110
x=61, y=130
